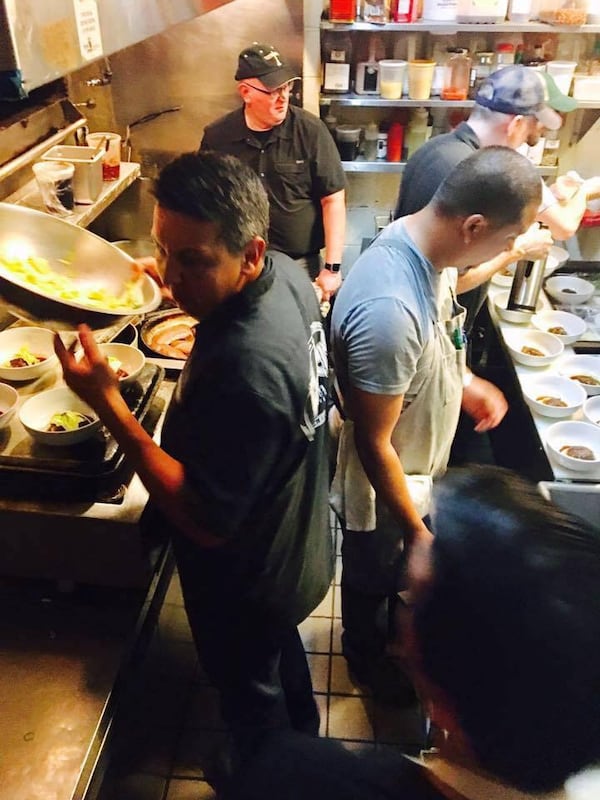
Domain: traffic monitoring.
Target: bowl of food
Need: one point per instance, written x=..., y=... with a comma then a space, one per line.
x=568, y=327
x=9, y=397
x=569, y=289
x=58, y=417
x=509, y=314
x=584, y=369
x=591, y=410
x=126, y=361
x=533, y=348
x=504, y=277
x=63, y=274
x=26, y=353
x=553, y=396
x=575, y=445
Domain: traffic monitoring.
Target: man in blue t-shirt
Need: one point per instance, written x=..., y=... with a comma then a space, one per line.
x=399, y=359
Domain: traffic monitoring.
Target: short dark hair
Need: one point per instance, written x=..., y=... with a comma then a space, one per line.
x=509, y=626
x=495, y=181
x=216, y=188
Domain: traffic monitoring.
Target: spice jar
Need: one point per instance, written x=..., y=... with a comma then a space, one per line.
x=483, y=66
x=505, y=54
x=551, y=147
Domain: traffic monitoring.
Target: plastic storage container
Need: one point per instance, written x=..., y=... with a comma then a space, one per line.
x=481, y=10
x=348, y=138
x=370, y=142
x=87, y=176
x=439, y=10
x=520, y=10
x=391, y=78
x=563, y=12
x=562, y=72
x=342, y=10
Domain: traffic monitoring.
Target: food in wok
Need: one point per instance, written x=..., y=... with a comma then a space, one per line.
x=172, y=335
x=63, y=274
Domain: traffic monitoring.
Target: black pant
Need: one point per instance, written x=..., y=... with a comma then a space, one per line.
x=371, y=578
x=260, y=670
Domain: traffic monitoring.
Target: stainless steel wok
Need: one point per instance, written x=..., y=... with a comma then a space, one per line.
x=87, y=259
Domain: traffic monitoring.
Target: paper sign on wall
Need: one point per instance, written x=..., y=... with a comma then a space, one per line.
x=88, y=29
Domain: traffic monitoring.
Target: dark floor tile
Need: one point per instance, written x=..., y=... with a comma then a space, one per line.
x=189, y=790
x=196, y=750
x=202, y=709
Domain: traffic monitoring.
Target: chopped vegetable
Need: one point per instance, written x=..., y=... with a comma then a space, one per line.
x=68, y=421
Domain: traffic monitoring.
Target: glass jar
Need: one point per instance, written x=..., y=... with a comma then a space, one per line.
x=375, y=11
x=483, y=66
x=564, y=12
x=551, y=148
x=457, y=74
x=505, y=54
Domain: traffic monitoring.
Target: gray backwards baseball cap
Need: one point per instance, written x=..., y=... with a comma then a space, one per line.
x=525, y=91
x=263, y=61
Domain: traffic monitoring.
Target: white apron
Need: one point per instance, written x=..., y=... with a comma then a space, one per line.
x=424, y=433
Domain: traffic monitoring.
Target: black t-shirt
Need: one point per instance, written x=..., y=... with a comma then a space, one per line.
x=430, y=164
x=298, y=164
x=290, y=766
x=247, y=420
x=424, y=172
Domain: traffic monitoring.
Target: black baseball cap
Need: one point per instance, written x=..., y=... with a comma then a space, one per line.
x=522, y=90
x=264, y=62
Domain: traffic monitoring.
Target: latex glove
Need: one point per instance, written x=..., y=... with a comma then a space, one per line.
x=484, y=403
x=566, y=186
x=534, y=243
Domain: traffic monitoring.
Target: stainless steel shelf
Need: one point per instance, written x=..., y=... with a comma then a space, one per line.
x=443, y=28
x=375, y=101
x=397, y=167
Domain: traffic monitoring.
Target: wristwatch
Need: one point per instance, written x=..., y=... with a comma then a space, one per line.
x=333, y=267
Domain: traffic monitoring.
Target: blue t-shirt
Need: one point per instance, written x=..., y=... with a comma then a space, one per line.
x=384, y=314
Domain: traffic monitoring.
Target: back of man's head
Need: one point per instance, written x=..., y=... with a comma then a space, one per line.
x=211, y=187
x=509, y=626
x=496, y=182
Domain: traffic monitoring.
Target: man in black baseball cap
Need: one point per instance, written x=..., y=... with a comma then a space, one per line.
x=264, y=62
x=296, y=158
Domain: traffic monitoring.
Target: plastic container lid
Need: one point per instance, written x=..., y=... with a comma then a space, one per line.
x=347, y=133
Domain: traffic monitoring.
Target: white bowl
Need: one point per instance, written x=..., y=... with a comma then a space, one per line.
x=510, y=315
x=582, y=364
x=569, y=290
x=545, y=343
x=574, y=326
x=591, y=410
x=578, y=434
x=9, y=398
x=36, y=413
x=505, y=277
x=38, y=341
x=556, y=386
x=126, y=357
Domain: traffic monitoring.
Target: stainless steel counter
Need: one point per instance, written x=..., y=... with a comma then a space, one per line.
x=64, y=662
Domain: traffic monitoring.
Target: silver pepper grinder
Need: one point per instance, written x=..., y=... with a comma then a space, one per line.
x=526, y=285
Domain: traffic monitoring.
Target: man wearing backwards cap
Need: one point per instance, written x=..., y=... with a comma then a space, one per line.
x=294, y=154
x=512, y=107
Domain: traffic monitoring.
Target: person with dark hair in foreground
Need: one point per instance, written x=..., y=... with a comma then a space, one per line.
x=502, y=641
x=240, y=480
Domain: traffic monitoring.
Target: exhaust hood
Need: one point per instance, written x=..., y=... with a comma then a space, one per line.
x=41, y=41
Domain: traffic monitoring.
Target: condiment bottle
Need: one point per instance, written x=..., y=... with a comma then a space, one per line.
x=394, y=142
x=416, y=132
x=404, y=10
x=370, y=143
x=342, y=10
x=457, y=74
x=382, y=138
